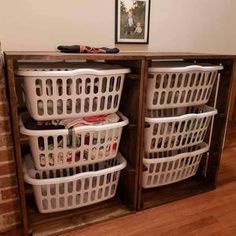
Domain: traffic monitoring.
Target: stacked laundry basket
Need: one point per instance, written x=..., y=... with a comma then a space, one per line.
x=177, y=120
x=74, y=130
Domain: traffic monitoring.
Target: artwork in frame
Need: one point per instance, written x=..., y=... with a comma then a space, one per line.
x=132, y=21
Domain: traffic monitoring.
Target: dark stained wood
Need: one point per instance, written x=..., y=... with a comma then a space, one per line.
x=24, y=139
x=130, y=192
x=127, y=189
x=13, y=232
x=220, y=122
x=71, y=56
x=180, y=190
x=190, y=55
x=174, y=192
x=232, y=108
x=230, y=141
x=128, y=186
x=49, y=55
x=142, y=123
x=132, y=138
x=16, y=141
x=55, y=223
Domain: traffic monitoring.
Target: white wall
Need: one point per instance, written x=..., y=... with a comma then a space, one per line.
x=175, y=25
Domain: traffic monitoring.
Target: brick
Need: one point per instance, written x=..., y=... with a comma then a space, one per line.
x=8, y=221
x=8, y=193
x=4, y=109
x=5, y=125
x=7, y=168
x=8, y=181
x=6, y=155
x=12, y=217
x=12, y=230
x=9, y=206
x=5, y=140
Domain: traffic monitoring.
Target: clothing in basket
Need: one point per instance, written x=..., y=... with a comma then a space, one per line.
x=81, y=141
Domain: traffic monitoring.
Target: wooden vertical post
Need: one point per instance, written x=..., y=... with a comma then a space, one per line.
x=232, y=107
x=142, y=104
x=220, y=122
x=16, y=141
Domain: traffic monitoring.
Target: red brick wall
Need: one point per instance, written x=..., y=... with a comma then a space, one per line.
x=9, y=200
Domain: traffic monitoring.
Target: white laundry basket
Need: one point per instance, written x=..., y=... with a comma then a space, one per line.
x=177, y=131
x=179, y=84
x=173, y=166
x=63, y=189
x=64, y=92
x=63, y=148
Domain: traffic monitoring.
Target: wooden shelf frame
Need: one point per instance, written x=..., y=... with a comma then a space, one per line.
x=198, y=183
x=131, y=196
x=126, y=200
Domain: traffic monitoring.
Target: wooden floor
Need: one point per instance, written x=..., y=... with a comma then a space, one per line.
x=211, y=213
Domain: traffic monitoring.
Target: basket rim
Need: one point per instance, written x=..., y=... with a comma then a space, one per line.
x=28, y=165
x=204, y=147
x=208, y=111
x=75, y=72
x=186, y=68
x=124, y=121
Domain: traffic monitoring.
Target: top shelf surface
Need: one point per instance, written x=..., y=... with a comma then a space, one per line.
x=50, y=55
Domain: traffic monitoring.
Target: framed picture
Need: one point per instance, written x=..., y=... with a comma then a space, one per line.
x=132, y=21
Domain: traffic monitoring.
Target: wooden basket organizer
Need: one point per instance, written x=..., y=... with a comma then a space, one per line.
x=130, y=195
x=206, y=177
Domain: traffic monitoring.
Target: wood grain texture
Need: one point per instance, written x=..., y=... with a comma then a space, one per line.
x=56, y=223
x=16, y=140
x=232, y=108
x=142, y=104
x=220, y=121
x=211, y=213
x=49, y=55
x=230, y=136
x=71, y=56
x=134, y=109
x=199, y=183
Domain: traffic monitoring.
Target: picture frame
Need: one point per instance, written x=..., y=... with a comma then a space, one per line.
x=132, y=19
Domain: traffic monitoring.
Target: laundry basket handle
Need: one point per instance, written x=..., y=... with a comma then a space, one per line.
x=186, y=68
x=73, y=72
